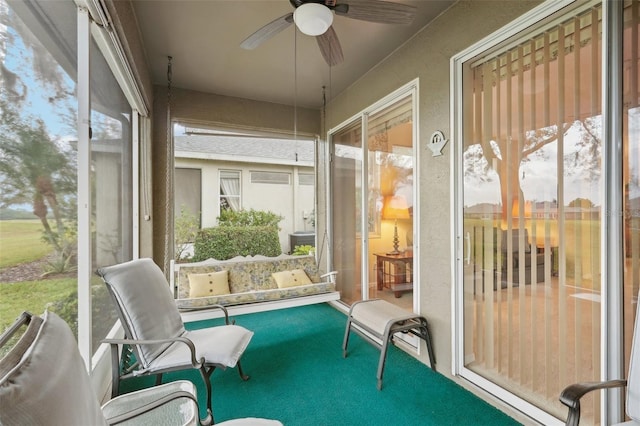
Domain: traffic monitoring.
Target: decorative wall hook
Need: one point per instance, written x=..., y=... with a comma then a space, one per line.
x=437, y=143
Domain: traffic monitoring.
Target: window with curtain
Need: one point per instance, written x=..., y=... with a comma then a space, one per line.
x=230, y=190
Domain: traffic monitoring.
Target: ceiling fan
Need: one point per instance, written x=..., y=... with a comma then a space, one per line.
x=315, y=18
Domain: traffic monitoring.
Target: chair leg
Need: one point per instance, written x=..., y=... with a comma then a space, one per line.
x=345, y=342
x=206, y=376
x=383, y=358
x=115, y=371
x=242, y=375
x=426, y=336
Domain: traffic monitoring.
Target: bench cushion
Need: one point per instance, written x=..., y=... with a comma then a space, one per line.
x=251, y=280
x=209, y=284
x=256, y=296
x=293, y=278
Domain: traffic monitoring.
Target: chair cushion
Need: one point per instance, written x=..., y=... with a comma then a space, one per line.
x=15, y=354
x=146, y=305
x=222, y=346
x=180, y=411
x=50, y=384
x=209, y=284
x=292, y=278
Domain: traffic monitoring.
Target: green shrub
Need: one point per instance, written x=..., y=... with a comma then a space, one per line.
x=185, y=229
x=225, y=242
x=249, y=218
x=303, y=250
x=103, y=311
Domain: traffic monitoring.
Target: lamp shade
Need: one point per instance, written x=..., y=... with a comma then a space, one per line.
x=313, y=18
x=395, y=207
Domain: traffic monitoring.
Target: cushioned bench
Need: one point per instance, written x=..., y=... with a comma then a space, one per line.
x=256, y=282
x=381, y=319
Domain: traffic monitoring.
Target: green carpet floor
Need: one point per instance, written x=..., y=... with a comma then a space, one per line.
x=298, y=376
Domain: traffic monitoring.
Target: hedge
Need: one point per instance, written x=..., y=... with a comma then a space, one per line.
x=225, y=242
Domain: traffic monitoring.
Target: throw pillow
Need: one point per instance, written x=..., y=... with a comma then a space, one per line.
x=292, y=278
x=209, y=284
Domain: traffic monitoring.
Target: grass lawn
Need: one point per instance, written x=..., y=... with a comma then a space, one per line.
x=20, y=242
x=32, y=296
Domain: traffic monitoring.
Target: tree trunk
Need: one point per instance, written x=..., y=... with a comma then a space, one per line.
x=510, y=190
x=40, y=210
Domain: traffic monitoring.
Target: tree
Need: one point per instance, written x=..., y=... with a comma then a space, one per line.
x=35, y=170
x=480, y=158
x=508, y=170
x=584, y=203
x=185, y=230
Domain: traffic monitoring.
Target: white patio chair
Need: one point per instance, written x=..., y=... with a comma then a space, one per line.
x=43, y=380
x=154, y=330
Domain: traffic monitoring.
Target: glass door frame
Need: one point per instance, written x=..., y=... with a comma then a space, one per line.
x=612, y=257
x=409, y=90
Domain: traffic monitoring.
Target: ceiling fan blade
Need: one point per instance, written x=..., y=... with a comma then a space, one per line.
x=330, y=47
x=266, y=32
x=383, y=12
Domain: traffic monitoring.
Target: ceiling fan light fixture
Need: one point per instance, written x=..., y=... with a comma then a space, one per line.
x=313, y=19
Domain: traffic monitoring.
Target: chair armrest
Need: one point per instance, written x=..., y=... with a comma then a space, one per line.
x=226, y=313
x=155, y=404
x=331, y=275
x=23, y=319
x=196, y=363
x=571, y=395
x=208, y=307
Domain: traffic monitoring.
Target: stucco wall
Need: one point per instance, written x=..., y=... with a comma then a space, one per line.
x=427, y=57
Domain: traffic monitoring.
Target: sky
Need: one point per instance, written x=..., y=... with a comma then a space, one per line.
x=18, y=59
x=538, y=178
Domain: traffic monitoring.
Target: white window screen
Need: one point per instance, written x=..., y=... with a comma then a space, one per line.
x=277, y=178
x=306, y=179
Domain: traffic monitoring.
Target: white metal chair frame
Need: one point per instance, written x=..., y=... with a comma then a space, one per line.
x=572, y=394
x=154, y=332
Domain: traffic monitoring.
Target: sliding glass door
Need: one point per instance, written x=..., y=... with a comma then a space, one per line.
x=372, y=202
x=631, y=168
x=533, y=208
x=346, y=210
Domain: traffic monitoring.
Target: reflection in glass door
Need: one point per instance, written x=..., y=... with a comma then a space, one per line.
x=532, y=211
x=372, y=198
x=346, y=201
x=390, y=203
x=631, y=168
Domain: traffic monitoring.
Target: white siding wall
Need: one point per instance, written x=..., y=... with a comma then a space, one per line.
x=290, y=201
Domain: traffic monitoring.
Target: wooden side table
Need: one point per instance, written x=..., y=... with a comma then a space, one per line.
x=395, y=272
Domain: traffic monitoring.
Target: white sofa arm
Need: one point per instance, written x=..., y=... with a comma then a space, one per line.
x=331, y=275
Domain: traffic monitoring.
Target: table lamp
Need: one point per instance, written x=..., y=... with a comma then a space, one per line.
x=395, y=207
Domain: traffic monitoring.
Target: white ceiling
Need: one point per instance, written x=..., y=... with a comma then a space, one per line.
x=204, y=37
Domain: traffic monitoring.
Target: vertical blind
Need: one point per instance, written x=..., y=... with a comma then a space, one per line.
x=535, y=108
